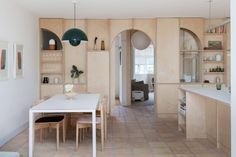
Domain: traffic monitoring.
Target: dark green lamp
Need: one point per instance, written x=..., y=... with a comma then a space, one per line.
x=74, y=35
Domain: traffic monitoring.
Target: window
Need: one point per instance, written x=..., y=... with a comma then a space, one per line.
x=189, y=56
x=144, y=60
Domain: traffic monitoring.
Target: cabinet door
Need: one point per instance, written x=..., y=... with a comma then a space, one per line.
x=211, y=119
x=98, y=73
x=224, y=126
x=51, y=90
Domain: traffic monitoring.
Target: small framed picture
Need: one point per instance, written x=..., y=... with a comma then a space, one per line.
x=4, y=61
x=18, y=61
x=215, y=45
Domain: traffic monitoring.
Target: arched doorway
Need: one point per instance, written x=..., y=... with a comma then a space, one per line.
x=126, y=68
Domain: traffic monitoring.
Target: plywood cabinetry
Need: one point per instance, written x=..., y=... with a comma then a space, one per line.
x=224, y=126
x=168, y=50
x=211, y=119
x=98, y=73
x=195, y=25
x=54, y=25
x=207, y=118
x=51, y=60
x=167, y=100
x=99, y=29
x=50, y=90
x=75, y=55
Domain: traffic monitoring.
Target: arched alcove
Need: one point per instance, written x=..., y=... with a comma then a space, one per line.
x=46, y=36
x=190, y=48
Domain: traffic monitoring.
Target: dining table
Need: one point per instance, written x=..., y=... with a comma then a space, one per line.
x=85, y=103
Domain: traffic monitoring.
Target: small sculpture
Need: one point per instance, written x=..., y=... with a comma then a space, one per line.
x=95, y=43
x=102, y=45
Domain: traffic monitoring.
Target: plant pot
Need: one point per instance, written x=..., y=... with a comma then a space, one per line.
x=75, y=80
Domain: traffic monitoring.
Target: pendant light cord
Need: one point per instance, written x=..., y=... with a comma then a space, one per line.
x=210, y=3
x=74, y=13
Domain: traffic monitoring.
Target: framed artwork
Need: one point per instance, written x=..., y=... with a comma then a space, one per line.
x=4, y=65
x=18, y=61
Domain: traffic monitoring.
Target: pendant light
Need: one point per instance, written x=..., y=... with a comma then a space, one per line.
x=74, y=35
x=209, y=17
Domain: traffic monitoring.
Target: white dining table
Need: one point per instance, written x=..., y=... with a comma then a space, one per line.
x=60, y=104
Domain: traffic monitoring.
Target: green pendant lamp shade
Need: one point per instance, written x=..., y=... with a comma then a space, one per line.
x=74, y=36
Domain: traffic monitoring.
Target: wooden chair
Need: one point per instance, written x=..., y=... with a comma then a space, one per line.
x=51, y=121
x=85, y=121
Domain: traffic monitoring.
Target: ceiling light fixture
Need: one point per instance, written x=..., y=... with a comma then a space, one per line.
x=74, y=35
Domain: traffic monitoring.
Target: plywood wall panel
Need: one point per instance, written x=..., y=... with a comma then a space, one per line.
x=54, y=25
x=75, y=55
x=196, y=25
x=99, y=29
x=167, y=50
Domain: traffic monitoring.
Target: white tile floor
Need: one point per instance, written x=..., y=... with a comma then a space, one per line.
x=133, y=132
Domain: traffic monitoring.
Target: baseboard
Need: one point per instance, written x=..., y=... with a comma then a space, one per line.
x=12, y=134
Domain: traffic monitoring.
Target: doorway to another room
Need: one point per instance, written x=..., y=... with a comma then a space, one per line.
x=134, y=68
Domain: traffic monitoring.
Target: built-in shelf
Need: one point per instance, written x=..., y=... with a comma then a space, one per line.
x=214, y=73
x=214, y=51
x=51, y=84
x=191, y=50
x=216, y=34
x=213, y=62
x=51, y=62
x=51, y=73
x=182, y=101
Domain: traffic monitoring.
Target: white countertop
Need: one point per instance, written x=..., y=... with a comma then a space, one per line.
x=219, y=95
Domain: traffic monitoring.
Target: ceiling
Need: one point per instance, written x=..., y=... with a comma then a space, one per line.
x=122, y=9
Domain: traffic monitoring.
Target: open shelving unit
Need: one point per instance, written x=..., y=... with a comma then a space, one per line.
x=211, y=67
x=51, y=60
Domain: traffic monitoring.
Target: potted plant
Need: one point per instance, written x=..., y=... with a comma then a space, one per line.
x=75, y=73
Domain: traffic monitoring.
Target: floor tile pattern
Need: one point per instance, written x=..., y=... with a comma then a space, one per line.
x=133, y=132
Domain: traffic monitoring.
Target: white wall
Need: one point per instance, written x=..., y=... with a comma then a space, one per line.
x=233, y=78
x=16, y=96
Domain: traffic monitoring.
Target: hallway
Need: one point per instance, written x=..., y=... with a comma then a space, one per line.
x=133, y=132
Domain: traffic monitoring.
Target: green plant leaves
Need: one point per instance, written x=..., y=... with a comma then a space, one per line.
x=75, y=72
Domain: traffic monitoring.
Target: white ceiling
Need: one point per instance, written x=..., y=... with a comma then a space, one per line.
x=121, y=9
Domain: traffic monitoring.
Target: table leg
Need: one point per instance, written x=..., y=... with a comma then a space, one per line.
x=94, y=133
x=31, y=133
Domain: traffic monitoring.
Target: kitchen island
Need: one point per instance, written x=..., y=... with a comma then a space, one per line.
x=205, y=113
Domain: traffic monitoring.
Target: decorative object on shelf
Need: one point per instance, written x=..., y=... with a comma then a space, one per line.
x=74, y=35
x=56, y=80
x=18, y=61
x=140, y=40
x=102, y=45
x=218, y=28
x=218, y=58
x=95, y=43
x=47, y=35
x=46, y=80
x=217, y=69
x=4, y=67
x=70, y=95
x=52, y=44
x=214, y=45
x=75, y=73
x=218, y=86
x=206, y=81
